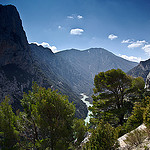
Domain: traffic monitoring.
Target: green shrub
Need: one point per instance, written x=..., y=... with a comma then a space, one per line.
x=104, y=137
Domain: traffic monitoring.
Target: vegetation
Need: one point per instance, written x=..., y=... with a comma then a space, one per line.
x=136, y=118
x=115, y=94
x=79, y=131
x=8, y=132
x=104, y=137
x=121, y=101
x=47, y=121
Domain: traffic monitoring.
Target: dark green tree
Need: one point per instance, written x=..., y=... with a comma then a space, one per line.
x=80, y=130
x=146, y=114
x=136, y=119
x=8, y=132
x=104, y=137
x=51, y=115
x=115, y=93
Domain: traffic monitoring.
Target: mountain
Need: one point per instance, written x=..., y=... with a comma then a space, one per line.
x=50, y=62
x=142, y=69
x=70, y=71
x=92, y=61
x=19, y=67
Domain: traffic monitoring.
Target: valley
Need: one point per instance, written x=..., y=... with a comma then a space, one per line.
x=45, y=93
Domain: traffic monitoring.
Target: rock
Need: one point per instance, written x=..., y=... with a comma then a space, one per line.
x=147, y=84
x=13, y=42
x=142, y=69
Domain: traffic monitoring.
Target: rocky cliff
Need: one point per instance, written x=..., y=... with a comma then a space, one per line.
x=14, y=54
x=142, y=69
x=13, y=42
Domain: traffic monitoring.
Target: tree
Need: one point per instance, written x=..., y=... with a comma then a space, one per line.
x=137, y=89
x=104, y=137
x=112, y=100
x=8, y=132
x=80, y=130
x=136, y=119
x=52, y=114
x=146, y=114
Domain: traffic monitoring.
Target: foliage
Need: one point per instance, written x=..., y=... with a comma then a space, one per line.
x=146, y=115
x=115, y=93
x=50, y=113
x=79, y=130
x=136, y=118
x=8, y=132
x=46, y=122
x=138, y=87
x=104, y=137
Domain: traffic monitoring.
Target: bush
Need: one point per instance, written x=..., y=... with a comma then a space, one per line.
x=136, y=118
x=104, y=137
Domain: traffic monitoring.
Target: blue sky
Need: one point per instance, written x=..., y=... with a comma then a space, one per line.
x=120, y=26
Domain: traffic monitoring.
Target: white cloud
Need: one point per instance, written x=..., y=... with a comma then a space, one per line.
x=46, y=45
x=59, y=27
x=76, y=31
x=80, y=17
x=137, y=44
x=70, y=17
x=73, y=16
x=127, y=41
x=146, y=48
x=131, y=58
x=112, y=36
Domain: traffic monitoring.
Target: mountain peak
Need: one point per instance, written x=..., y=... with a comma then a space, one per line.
x=13, y=41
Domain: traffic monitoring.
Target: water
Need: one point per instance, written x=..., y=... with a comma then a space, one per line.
x=87, y=119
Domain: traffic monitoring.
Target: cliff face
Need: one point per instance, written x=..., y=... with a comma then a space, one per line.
x=14, y=54
x=142, y=69
x=13, y=42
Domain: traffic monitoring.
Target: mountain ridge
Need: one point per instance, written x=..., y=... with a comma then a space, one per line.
x=22, y=63
x=92, y=61
x=142, y=69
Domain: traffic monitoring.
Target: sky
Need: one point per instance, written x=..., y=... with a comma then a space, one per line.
x=119, y=26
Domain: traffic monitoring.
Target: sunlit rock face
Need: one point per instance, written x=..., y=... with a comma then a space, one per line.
x=147, y=84
x=142, y=69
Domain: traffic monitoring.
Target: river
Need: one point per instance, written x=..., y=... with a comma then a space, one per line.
x=87, y=119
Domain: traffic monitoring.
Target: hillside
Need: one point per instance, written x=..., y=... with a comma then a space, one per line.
x=19, y=68
x=142, y=69
x=92, y=61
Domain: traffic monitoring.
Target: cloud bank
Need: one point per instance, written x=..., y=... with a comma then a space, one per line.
x=131, y=58
x=46, y=45
x=137, y=44
x=146, y=48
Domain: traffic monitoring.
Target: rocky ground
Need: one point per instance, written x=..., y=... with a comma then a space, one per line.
x=145, y=145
